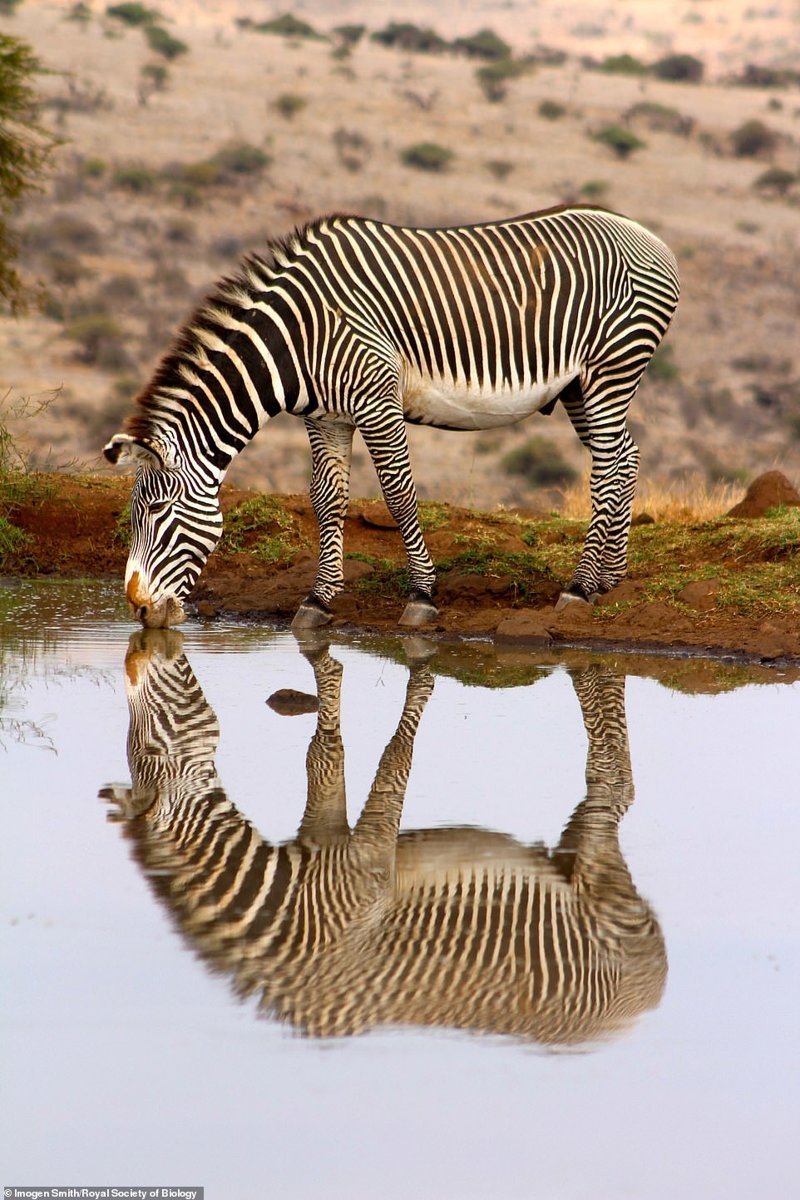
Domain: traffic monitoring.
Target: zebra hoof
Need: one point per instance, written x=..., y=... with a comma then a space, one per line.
x=311, y=615
x=567, y=598
x=418, y=612
x=418, y=650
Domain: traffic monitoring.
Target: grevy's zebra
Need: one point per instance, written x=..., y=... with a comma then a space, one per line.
x=341, y=930
x=354, y=324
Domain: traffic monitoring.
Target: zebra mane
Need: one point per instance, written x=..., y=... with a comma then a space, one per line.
x=234, y=292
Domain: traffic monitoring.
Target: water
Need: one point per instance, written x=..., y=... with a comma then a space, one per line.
x=136, y=1045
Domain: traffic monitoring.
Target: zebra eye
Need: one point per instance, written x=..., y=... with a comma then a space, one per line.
x=158, y=506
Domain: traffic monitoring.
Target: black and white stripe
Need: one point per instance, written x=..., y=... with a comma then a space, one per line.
x=355, y=324
x=344, y=929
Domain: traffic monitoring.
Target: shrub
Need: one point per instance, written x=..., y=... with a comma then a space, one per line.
x=495, y=77
x=134, y=177
x=623, y=64
x=133, y=13
x=286, y=25
x=753, y=139
x=93, y=168
x=500, y=168
x=484, y=44
x=620, y=141
x=405, y=36
x=156, y=75
x=241, y=158
x=350, y=35
x=777, y=180
x=660, y=117
x=162, y=42
x=540, y=462
x=594, y=189
x=427, y=156
x=196, y=175
x=64, y=229
x=679, y=68
x=352, y=148
x=551, y=110
x=100, y=340
x=80, y=13
x=289, y=104
x=8, y=7
x=662, y=366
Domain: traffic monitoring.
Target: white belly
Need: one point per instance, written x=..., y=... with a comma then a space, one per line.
x=454, y=405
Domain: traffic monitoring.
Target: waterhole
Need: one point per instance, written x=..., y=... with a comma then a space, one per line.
x=387, y=918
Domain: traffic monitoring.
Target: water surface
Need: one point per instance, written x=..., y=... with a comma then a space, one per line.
x=512, y=979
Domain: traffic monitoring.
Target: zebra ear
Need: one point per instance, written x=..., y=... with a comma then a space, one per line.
x=124, y=448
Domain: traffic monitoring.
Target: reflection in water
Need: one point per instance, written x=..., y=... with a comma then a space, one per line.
x=344, y=929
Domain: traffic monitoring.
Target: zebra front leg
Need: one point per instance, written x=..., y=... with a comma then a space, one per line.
x=331, y=448
x=387, y=442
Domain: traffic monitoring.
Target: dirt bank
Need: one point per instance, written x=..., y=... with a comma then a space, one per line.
x=728, y=587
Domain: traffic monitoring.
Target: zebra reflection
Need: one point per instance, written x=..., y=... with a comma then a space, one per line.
x=344, y=929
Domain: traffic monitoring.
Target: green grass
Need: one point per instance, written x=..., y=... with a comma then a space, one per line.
x=261, y=526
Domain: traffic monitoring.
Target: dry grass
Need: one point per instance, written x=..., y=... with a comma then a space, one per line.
x=687, y=500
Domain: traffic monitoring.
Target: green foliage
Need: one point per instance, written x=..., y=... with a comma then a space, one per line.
x=495, y=77
x=289, y=104
x=350, y=35
x=499, y=168
x=162, y=42
x=777, y=180
x=155, y=74
x=752, y=139
x=286, y=25
x=427, y=156
x=620, y=141
x=131, y=12
x=261, y=526
x=8, y=7
x=134, y=177
x=484, y=44
x=403, y=35
x=660, y=117
x=540, y=462
x=25, y=147
x=100, y=341
x=241, y=158
x=679, y=68
x=594, y=189
x=551, y=110
x=662, y=366
x=623, y=64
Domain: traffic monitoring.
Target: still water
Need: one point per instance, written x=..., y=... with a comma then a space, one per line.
x=492, y=971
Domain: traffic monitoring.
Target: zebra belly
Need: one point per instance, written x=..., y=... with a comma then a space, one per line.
x=449, y=404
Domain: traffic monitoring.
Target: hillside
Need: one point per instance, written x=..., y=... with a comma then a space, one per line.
x=170, y=168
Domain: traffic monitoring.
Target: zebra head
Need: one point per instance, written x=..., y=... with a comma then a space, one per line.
x=175, y=524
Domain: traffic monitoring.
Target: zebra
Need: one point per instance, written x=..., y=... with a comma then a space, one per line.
x=351, y=323
x=343, y=929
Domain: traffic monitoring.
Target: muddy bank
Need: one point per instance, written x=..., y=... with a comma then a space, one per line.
x=726, y=588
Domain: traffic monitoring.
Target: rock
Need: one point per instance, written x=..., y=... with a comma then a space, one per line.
x=355, y=569
x=767, y=491
x=530, y=623
x=290, y=703
x=699, y=594
x=643, y=518
x=629, y=589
